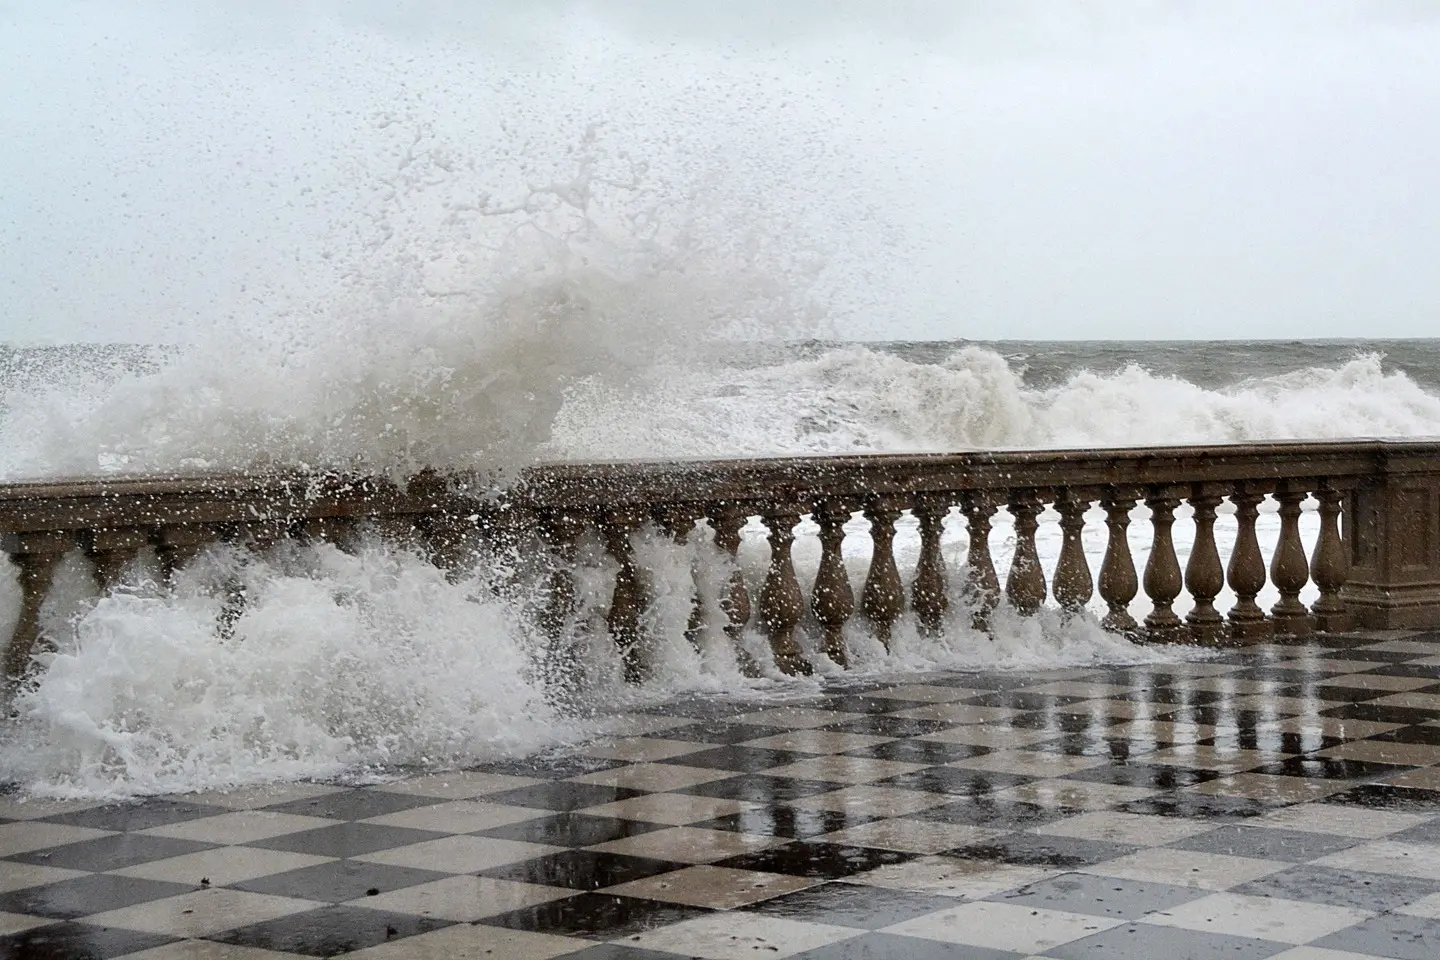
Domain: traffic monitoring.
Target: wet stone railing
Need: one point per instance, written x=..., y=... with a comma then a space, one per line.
x=1373, y=562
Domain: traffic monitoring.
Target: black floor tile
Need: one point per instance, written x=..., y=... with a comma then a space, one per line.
x=828, y=861
x=83, y=896
x=582, y=869
x=852, y=905
x=114, y=852
x=740, y=759
x=1327, y=768
x=76, y=941
x=1377, y=712
x=353, y=804
x=1201, y=806
x=1341, y=888
x=999, y=814
x=1383, y=796
x=1181, y=694
x=1066, y=724
x=1101, y=896
x=1271, y=741
x=955, y=781
x=594, y=915
x=1023, y=700
x=887, y=946
x=1421, y=734
x=1156, y=776
x=136, y=816
x=1042, y=850
x=1294, y=846
x=722, y=732
x=339, y=880
x=622, y=951
x=1393, y=935
x=920, y=751
x=860, y=703
x=1102, y=744
x=759, y=788
x=329, y=931
x=888, y=726
x=346, y=840
x=562, y=795
x=786, y=822
x=1424, y=833
x=550, y=768
x=1424, y=671
x=1140, y=941
x=571, y=830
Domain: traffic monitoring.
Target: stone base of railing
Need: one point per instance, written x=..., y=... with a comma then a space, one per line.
x=1374, y=563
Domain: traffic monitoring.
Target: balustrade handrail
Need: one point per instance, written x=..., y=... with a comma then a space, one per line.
x=90, y=502
x=1382, y=569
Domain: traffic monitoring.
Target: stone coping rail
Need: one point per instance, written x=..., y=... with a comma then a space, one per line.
x=1375, y=562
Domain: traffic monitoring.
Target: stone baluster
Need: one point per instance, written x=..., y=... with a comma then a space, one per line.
x=1025, y=586
x=561, y=530
x=833, y=600
x=111, y=551
x=727, y=520
x=450, y=540
x=1118, y=582
x=1246, y=570
x=1289, y=570
x=1330, y=565
x=928, y=591
x=882, y=599
x=781, y=601
x=35, y=556
x=1163, y=581
x=176, y=546
x=678, y=521
x=628, y=601
x=341, y=532
x=1204, y=574
x=982, y=584
x=1073, y=583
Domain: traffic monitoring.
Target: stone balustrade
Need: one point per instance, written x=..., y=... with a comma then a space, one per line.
x=1374, y=563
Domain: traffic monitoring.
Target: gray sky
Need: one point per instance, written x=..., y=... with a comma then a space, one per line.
x=982, y=169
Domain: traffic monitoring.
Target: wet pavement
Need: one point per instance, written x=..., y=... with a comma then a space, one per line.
x=1281, y=801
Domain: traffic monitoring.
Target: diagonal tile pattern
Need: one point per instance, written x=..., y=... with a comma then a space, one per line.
x=1280, y=801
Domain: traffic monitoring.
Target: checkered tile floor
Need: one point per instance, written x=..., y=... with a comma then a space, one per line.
x=1283, y=801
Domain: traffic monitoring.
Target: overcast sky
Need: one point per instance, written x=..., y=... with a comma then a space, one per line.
x=996, y=169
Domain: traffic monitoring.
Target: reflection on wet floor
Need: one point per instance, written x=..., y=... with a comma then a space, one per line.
x=1278, y=801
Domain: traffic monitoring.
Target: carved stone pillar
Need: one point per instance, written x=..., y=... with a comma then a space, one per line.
x=1118, y=582
x=728, y=519
x=781, y=602
x=833, y=599
x=1204, y=573
x=179, y=544
x=1246, y=571
x=36, y=555
x=883, y=598
x=982, y=585
x=1025, y=586
x=1162, y=571
x=929, y=588
x=342, y=532
x=560, y=530
x=627, y=603
x=1289, y=570
x=1074, y=585
x=1330, y=565
x=111, y=551
x=1392, y=527
x=678, y=520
